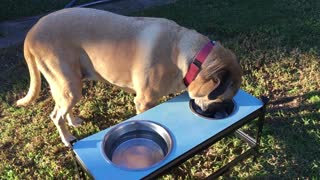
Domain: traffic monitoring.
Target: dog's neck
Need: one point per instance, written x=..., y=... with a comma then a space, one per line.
x=195, y=66
x=190, y=44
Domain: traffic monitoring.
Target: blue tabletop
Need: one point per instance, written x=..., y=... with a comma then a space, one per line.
x=188, y=131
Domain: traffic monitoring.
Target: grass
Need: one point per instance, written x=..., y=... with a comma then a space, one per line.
x=278, y=46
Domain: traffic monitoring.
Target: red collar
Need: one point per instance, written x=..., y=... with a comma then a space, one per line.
x=195, y=66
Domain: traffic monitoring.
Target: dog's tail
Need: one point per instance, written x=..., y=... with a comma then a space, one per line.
x=35, y=79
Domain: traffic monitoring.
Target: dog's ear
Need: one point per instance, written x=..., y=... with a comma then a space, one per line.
x=222, y=87
x=201, y=87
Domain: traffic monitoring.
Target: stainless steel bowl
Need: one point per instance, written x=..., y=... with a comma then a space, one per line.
x=219, y=110
x=137, y=145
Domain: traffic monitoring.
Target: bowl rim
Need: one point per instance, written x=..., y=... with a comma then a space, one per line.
x=170, y=145
x=235, y=109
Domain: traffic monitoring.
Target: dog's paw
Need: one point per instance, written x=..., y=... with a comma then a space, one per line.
x=76, y=122
x=67, y=141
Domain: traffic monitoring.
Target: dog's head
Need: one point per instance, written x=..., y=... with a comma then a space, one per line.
x=219, y=79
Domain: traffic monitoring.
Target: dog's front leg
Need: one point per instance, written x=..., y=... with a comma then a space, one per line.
x=144, y=102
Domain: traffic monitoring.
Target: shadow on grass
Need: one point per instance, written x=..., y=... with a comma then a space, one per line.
x=293, y=122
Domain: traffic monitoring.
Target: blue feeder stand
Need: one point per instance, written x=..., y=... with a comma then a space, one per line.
x=151, y=143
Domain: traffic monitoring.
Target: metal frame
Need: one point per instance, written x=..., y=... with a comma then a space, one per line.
x=79, y=168
x=254, y=144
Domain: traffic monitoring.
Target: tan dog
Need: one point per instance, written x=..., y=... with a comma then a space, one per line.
x=147, y=56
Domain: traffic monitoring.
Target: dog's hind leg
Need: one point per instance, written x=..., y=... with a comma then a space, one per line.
x=65, y=97
x=66, y=86
x=59, y=121
x=66, y=94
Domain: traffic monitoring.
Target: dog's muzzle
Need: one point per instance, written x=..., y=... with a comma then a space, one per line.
x=216, y=110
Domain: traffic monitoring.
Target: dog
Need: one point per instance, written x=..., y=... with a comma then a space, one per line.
x=151, y=57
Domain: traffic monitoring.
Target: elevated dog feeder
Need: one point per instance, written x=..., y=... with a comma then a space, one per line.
x=147, y=145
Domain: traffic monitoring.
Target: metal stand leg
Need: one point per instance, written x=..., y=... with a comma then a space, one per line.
x=81, y=173
x=253, y=143
x=261, y=120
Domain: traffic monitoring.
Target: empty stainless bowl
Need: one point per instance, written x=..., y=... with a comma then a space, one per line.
x=219, y=110
x=137, y=144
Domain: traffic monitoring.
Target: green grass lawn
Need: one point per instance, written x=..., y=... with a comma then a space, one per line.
x=277, y=42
